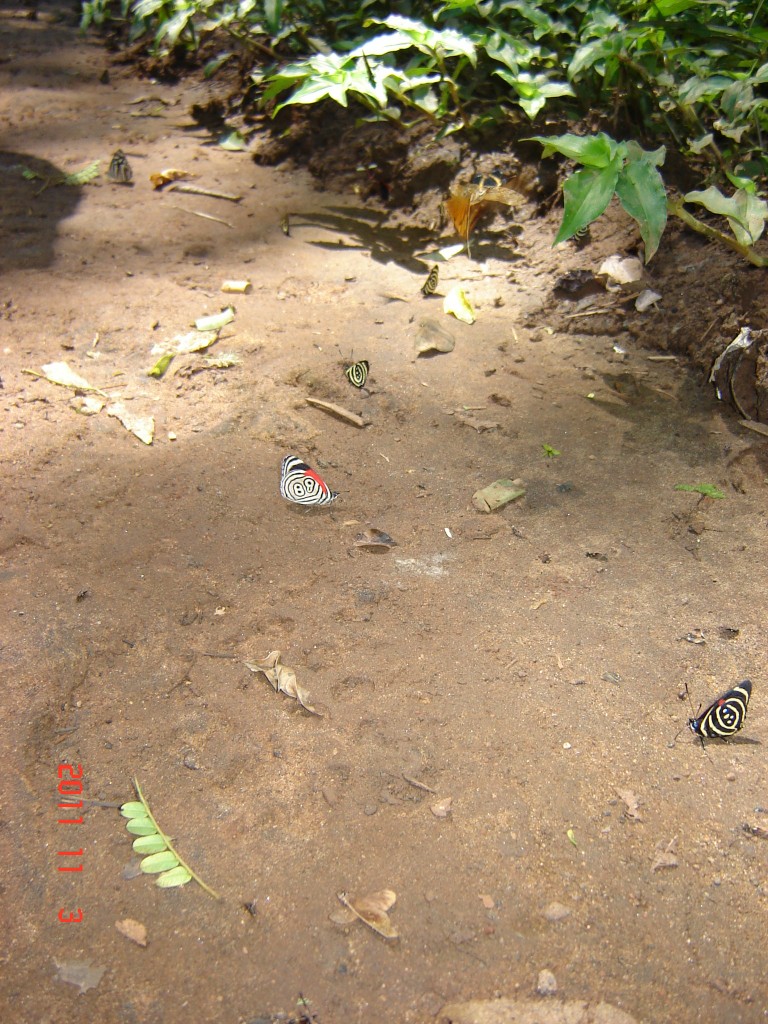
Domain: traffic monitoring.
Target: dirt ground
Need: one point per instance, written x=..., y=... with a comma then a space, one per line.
x=528, y=663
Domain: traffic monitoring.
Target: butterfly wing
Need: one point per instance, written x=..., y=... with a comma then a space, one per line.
x=357, y=373
x=430, y=285
x=302, y=485
x=724, y=716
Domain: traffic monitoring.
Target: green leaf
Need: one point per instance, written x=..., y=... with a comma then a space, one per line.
x=550, y=452
x=149, y=844
x=232, y=141
x=641, y=192
x=708, y=490
x=591, y=150
x=133, y=809
x=158, y=862
x=746, y=214
x=161, y=365
x=587, y=193
x=174, y=877
x=83, y=176
x=141, y=827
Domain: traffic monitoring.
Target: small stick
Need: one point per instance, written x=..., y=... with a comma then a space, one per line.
x=419, y=785
x=195, y=190
x=338, y=410
x=205, y=216
x=759, y=428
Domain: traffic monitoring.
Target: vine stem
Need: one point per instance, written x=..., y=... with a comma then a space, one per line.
x=170, y=845
x=677, y=209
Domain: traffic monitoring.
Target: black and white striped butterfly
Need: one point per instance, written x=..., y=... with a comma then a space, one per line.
x=357, y=373
x=302, y=485
x=119, y=169
x=430, y=285
x=725, y=716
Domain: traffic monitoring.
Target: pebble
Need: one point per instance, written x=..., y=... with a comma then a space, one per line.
x=556, y=912
x=547, y=983
x=370, y=809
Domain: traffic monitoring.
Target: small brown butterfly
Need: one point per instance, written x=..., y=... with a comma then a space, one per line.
x=468, y=202
x=119, y=169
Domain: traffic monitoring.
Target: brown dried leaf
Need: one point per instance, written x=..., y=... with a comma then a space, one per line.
x=133, y=930
x=632, y=804
x=374, y=540
x=442, y=808
x=283, y=679
x=372, y=910
x=665, y=856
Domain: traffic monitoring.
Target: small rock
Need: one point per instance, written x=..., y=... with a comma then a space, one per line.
x=370, y=809
x=547, y=983
x=556, y=912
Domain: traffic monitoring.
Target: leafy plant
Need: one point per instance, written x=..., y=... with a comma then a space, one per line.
x=160, y=856
x=631, y=173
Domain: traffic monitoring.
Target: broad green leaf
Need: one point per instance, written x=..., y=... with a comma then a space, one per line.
x=587, y=193
x=157, y=862
x=133, y=809
x=594, y=52
x=533, y=91
x=746, y=213
x=641, y=192
x=273, y=10
x=175, y=877
x=141, y=827
x=232, y=141
x=669, y=8
x=149, y=844
x=591, y=150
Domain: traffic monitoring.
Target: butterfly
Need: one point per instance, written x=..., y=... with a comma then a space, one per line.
x=725, y=716
x=302, y=485
x=357, y=373
x=467, y=202
x=119, y=169
x=430, y=285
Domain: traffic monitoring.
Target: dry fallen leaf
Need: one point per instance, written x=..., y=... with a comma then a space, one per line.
x=168, y=174
x=142, y=427
x=133, y=930
x=665, y=855
x=433, y=337
x=79, y=973
x=282, y=679
x=374, y=540
x=372, y=910
x=632, y=804
x=442, y=808
x=457, y=304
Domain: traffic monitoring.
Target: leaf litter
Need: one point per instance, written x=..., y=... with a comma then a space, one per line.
x=283, y=679
x=371, y=910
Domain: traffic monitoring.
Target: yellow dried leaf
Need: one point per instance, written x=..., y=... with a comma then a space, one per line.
x=457, y=304
x=372, y=910
x=167, y=175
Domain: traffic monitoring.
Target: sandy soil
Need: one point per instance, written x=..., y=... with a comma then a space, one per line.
x=527, y=663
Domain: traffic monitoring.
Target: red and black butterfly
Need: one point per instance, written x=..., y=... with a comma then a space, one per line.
x=725, y=716
x=302, y=485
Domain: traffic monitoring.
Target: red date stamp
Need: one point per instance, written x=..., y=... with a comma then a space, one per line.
x=70, y=788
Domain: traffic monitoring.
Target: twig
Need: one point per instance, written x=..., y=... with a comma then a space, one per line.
x=195, y=190
x=205, y=216
x=338, y=410
x=418, y=785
